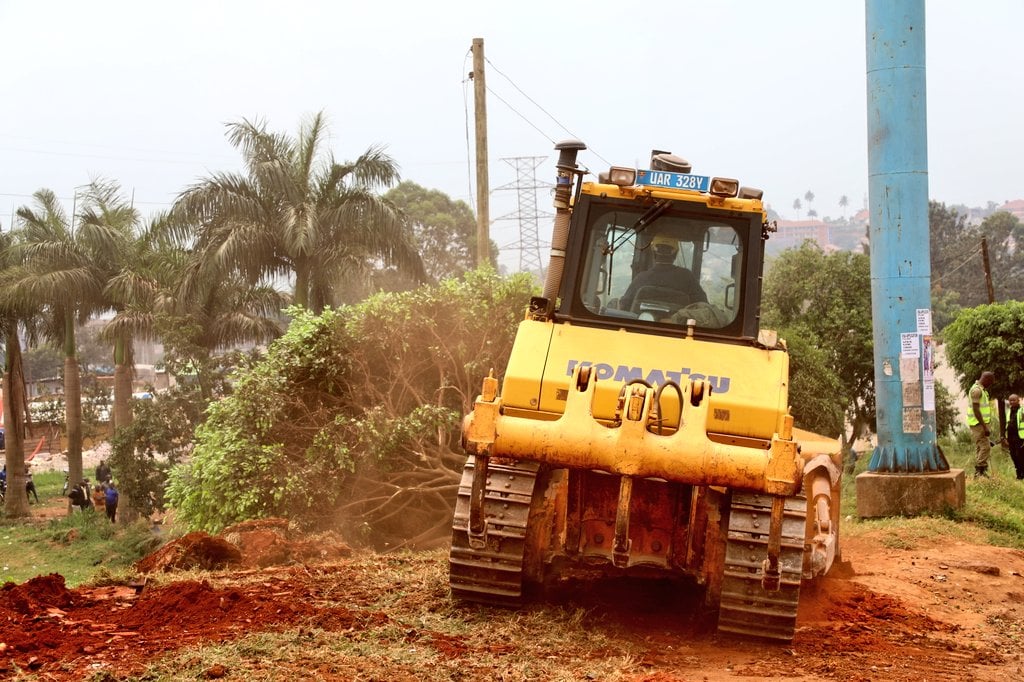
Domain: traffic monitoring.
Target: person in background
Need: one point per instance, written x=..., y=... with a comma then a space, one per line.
x=111, y=497
x=103, y=474
x=1014, y=438
x=979, y=419
x=80, y=496
x=98, y=498
x=30, y=486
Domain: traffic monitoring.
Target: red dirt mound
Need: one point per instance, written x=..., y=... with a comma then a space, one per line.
x=95, y=627
x=250, y=544
x=269, y=542
x=36, y=594
x=195, y=550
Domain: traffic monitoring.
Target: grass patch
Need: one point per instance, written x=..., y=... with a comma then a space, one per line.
x=992, y=514
x=81, y=547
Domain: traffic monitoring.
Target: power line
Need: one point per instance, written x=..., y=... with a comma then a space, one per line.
x=966, y=261
x=20, y=138
x=534, y=102
x=100, y=156
x=521, y=115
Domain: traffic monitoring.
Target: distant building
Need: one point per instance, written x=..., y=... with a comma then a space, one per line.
x=1015, y=208
x=795, y=232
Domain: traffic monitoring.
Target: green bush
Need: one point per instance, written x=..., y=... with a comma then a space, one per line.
x=352, y=416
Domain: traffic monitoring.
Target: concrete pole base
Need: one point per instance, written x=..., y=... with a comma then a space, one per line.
x=888, y=494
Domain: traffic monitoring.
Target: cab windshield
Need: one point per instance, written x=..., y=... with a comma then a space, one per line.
x=661, y=266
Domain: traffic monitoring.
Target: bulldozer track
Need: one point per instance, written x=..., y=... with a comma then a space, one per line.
x=746, y=607
x=492, y=573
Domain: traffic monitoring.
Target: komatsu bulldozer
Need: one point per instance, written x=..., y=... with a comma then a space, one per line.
x=642, y=426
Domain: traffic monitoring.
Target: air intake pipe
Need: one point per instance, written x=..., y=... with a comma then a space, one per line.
x=567, y=172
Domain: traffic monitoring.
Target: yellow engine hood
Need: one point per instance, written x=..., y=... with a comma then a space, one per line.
x=749, y=386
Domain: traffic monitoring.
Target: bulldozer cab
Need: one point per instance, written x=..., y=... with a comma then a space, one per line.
x=663, y=261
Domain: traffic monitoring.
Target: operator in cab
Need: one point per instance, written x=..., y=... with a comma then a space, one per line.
x=666, y=274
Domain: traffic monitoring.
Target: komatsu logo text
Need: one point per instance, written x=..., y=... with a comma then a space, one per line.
x=655, y=377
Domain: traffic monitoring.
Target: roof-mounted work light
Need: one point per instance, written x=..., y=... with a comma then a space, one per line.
x=724, y=187
x=623, y=177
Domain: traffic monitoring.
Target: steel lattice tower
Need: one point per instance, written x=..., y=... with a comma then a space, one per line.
x=526, y=186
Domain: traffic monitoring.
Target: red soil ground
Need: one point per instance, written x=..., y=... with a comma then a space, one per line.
x=949, y=612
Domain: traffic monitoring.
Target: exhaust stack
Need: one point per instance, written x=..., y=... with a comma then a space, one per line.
x=567, y=171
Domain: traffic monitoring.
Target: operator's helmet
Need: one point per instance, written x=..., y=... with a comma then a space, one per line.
x=665, y=248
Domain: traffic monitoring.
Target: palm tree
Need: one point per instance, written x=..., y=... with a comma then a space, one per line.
x=298, y=213
x=809, y=198
x=797, y=206
x=211, y=310
x=844, y=201
x=66, y=267
x=13, y=313
x=106, y=209
x=156, y=295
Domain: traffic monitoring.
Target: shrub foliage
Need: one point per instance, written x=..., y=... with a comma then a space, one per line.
x=351, y=419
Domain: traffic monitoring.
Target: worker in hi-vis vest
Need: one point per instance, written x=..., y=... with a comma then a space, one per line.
x=979, y=419
x=1014, y=439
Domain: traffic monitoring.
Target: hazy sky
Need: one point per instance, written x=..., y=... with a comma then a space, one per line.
x=772, y=93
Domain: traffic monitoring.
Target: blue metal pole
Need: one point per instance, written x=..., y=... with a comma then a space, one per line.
x=900, y=266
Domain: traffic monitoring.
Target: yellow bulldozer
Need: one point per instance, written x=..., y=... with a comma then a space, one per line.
x=642, y=426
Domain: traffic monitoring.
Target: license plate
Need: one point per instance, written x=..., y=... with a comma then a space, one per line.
x=651, y=178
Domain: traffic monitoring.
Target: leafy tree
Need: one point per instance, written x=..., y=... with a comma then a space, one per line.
x=94, y=352
x=160, y=436
x=953, y=248
x=958, y=278
x=947, y=417
x=353, y=415
x=814, y=383
x=444, y=230
x=1005, y=238
x=945, y=308
x=297, y=212
x=42, y=362
x=824, y=302
x=988, y=337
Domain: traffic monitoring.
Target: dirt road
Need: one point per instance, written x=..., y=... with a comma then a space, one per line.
x=949, y=611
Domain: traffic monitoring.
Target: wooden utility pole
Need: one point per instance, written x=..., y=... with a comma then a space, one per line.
x=483, y=217
x=988, y=271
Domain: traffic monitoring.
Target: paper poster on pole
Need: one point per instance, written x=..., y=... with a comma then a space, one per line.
x=928, y=388
x=911, y=394
x=909, y=346
x=912, y=420
x=910, y=369
x=924, y=321
x=928, y=357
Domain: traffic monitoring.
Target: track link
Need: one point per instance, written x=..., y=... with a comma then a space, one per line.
x=493, y=573
x=746, y=608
